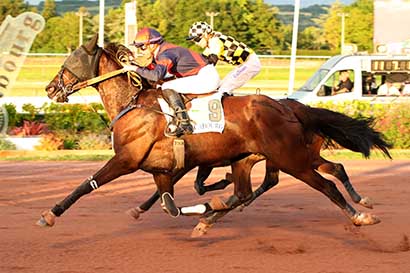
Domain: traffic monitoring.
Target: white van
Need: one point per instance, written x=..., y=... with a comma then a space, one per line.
x=367, y=74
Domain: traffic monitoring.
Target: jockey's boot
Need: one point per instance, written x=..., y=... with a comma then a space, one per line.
x=183, y=126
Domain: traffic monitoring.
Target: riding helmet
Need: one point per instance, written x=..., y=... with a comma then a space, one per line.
x=198, y=29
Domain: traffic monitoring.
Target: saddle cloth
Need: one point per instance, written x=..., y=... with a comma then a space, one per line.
x=206, y=113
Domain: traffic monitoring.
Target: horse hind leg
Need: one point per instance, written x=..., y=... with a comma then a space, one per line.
x=338, y=171
x=328, y=188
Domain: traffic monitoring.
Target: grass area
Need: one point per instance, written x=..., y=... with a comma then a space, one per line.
x=103, y=155
x=37, y=72
x=375, y=154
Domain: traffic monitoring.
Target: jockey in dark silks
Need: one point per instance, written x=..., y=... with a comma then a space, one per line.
x=192, y=71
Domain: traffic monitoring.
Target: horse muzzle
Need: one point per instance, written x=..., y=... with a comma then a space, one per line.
x=55, y=94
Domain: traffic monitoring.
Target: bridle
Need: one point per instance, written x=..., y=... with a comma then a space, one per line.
x=66, y=89
x=84, y=78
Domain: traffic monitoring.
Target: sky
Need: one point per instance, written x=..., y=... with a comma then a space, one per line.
x=303, y=3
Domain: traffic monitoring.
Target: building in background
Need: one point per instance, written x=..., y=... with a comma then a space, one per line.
x=391, y=31
x=131, y=26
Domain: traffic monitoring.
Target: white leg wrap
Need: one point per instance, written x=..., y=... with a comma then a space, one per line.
x=93, y=183
x=198, y=209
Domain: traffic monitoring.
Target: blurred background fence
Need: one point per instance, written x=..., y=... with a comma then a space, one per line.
x=39, y=69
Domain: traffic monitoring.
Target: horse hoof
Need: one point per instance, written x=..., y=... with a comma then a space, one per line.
x=47, y=219
x=217, y=203
x=200, y=229
x=364, y=219
x=366, y=202
x=135, y=212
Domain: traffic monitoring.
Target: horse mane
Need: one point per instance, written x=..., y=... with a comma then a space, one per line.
x=121, y=55
x=117, y=52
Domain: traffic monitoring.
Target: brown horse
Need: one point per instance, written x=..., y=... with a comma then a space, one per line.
x=243, y=168
x=253, y=125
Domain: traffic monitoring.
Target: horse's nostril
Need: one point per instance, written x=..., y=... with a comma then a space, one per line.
x=50, y=89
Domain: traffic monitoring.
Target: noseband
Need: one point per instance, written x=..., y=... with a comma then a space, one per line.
x=66, y=90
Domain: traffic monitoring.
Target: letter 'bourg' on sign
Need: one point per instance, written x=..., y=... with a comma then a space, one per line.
x=16, y=37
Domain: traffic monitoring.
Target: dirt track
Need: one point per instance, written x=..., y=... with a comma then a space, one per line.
x=292, y=228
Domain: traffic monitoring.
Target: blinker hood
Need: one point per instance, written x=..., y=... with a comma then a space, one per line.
x=83, y=64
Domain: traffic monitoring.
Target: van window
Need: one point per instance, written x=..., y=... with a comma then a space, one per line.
x=384, y=84
x=314, y=80
x=340, y=82
x=370, y=83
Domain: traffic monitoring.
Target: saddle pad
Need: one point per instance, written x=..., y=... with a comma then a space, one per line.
x=206, y=113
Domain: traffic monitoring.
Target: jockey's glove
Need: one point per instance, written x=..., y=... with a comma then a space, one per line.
x=128, y=67
x=212, y=59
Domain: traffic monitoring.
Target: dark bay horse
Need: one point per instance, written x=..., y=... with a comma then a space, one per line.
x=253, y=125
x=243, y=167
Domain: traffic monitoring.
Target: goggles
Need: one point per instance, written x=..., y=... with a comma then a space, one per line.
x=142, y=47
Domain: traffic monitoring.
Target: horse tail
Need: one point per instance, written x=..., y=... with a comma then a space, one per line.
x=355, y=134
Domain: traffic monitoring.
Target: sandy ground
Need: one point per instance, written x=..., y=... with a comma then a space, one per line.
x=292, y=228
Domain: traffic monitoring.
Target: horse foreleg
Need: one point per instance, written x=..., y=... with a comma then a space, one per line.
x=205, y=223
x=165, y=187
x=114, y=168
x=338, y=171
x=242, y=193
x=202, y=174
x=271, y=179
x=136, y=211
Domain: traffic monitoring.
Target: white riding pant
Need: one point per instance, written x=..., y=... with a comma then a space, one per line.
x=207, y=80
x=241, y=74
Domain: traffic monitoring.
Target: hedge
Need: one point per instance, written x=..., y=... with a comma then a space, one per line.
x=393, y=120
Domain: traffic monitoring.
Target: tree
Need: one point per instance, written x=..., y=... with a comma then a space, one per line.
x=60, y=35
x=359, y=24
x=12, y=7
x=265, y=30
x=49, y=9
x=308, y=39
x=331, y=25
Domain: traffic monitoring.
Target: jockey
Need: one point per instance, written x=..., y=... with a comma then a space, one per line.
x=192, y=72
x=225, y=48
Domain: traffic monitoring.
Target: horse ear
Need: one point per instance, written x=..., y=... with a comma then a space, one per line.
x=91, y=44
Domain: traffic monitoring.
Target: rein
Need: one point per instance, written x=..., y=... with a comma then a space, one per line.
x=71, y=88
x=97, y=79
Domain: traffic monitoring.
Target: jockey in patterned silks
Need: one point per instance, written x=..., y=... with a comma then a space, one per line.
x=192, y=71
x=225, y=48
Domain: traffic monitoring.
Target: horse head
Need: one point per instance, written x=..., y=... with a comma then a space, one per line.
x=81, y=65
